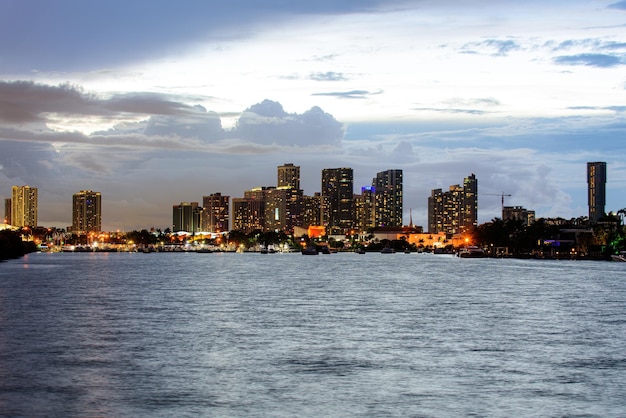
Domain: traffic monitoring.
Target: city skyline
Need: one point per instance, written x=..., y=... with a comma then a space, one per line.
x=154, y=104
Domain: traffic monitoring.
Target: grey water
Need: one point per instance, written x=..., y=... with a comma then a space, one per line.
x=285, y=335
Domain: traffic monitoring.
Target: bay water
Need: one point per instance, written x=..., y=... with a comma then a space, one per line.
x=286, y=335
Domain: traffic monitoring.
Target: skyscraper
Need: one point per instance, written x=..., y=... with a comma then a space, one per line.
x=86, y=211
x=469, y=219
x=215, y=214
x=24, y=206
x=388, y=198
x=289, y=176
x=186, y=217
x=337, y=204
x=454, y=211
x=596, y=189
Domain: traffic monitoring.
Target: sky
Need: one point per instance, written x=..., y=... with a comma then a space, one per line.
x=153, y=103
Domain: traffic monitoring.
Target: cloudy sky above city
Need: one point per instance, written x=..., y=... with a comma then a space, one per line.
x=156, y=102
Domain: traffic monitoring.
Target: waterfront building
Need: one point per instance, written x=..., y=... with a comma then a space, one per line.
x=311, y=210
x=518, y=213
x=249, y=211
x=186, y=217
x=456, y=210
x=23, y=206
x=364, y=204
x=337, y=200
x=388, y=198
x=596, y=189
x=289, y=176
x=86, y=211
x=215, y=213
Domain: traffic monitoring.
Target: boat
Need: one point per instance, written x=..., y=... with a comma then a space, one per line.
x=310, y=250
x=472, y=252
x=619, y=257
x=359, y=251
x=407, y=251
x=387, y=250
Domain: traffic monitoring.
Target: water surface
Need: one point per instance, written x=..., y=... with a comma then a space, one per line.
x=131, y=334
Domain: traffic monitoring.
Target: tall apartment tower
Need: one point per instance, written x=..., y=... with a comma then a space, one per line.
x=364, y=208
x=24, y=206
x=388, y=198
x=454, y=211
x=337, y=199
x=596, y=189
x=469, y=211
x=87, y=211
x=289, y=176
x=215, y=214
x=186, y=217
x=7, y=211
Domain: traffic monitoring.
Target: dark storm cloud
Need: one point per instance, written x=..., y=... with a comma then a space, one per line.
x=591, y=60
x=26, y=101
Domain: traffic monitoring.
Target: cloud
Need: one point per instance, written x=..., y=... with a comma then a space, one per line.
x=268, y=123
x=328, y=76
x=27, y=102
x=620, y=5
x=494, y=47
x=352, y=94
x=591, y=60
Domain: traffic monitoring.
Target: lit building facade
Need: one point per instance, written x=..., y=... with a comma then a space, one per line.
x=215, y=213
x=87, y=211
x=311, y=210
x=249, y=211
x=388, y=198
x=289, y=176
x=456, y=210
x=337, y=200
x=364, y=204
x=596, y=189
x=23, y=206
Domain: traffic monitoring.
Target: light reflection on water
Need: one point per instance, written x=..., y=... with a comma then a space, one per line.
x=331, y=335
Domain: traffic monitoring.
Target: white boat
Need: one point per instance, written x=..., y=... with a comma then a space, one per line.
x=472, y=252
x=619, y=257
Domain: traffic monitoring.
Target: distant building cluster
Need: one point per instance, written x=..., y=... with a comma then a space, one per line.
x=335, y=210
x=285, y=207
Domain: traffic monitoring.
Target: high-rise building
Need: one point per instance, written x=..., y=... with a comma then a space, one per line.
x=364, y=204
x=7, y=211
x=596, y=189
x=311, y=210
x=249, y=211
x=388, y=198
x=289, y=176
x=86, y=211
x=337, y=200
x=186, y=217
x=454, y=211
x=24, y=206
x=469, y=220
x=215, y=213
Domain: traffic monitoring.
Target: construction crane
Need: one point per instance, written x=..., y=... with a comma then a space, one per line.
x=502, y=195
